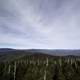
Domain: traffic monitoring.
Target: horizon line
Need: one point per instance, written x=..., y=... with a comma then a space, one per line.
x=38, y=48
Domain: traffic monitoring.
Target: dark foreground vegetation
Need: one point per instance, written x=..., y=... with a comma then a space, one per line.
x=41, y=67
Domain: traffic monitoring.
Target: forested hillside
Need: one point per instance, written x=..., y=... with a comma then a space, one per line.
x=41, y=67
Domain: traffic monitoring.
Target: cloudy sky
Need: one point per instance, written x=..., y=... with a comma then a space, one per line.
x=53, y=24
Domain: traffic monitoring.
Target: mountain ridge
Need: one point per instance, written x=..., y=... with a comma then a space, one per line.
x=45, y=51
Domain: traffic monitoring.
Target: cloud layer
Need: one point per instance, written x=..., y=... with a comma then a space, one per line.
x=53, y=24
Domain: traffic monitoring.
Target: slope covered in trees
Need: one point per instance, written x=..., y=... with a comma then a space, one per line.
x=41, y=67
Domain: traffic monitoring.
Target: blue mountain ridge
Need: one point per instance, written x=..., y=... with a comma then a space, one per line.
x=58, y=52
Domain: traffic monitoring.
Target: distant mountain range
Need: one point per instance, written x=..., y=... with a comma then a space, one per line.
x=56, y=52
x=8, y=54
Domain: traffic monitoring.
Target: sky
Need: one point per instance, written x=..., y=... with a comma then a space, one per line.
x=40, y=24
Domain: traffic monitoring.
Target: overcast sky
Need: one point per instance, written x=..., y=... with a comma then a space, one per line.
x=53, y=24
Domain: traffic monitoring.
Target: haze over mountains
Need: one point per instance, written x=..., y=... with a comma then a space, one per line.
x=55, y=52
